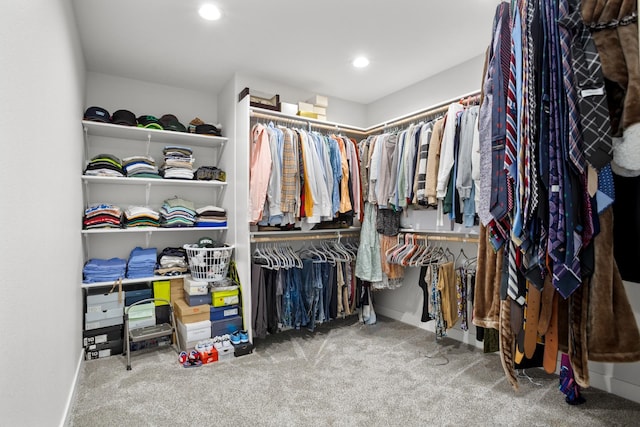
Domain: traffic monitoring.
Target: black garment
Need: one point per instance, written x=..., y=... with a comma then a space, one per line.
x=258, y=301
x=626, y=227
x=270, y=284
x=425, y=290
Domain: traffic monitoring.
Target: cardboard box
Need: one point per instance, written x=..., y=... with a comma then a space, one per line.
x=320, y=111
x=308, y=114
x=141, y=311
x=195, y=287
x=221, y=313
x=191, y=314
x=305, y=106
x=209, y=356
x=197, y=299
x=288, y=108
x=102, y=335
x=242, y=349
x=319, y=100
x=162, y=289
x=103, y=323
x=226, y=326
x=139, y=293
x=197, y=331
x=221, y=298
x=177, y=289
x=108, y=300
x=107, y=349
x=225, y=354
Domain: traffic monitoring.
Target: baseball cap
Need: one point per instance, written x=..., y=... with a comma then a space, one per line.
x=124, y=117
x=97, y=114
x=207, y=129
x=149, y=122
x=170, y=122
x=205, y=242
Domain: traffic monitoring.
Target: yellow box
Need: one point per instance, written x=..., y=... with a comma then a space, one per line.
x=308, y=114
x=222, y=298
x=162, y=289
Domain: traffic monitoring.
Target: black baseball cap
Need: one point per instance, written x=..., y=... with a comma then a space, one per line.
x=97, y=114
x=170, y=122
x=149, y=122
x=124, y=117
x=207, y=129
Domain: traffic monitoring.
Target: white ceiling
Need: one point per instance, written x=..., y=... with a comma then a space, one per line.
x=301, y=43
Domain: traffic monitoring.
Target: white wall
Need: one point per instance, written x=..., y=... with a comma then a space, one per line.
x=41, y=316
x=115, y=93
x=339, y=110
x=449, y=84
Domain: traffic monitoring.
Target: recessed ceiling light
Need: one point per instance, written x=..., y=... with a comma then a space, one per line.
x=360, y=62
x=209, y=12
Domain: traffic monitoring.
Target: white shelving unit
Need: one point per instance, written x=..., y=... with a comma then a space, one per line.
x=123, y=141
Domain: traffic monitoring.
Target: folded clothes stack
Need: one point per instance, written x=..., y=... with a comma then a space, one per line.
x=177, y=212
x=140, y=167
x=141, y=216
x=141, y=263
x=211, y=216
x=178, y=162
x=104, y=165
x=172, y=261
x=104, y=270
x=102, y=215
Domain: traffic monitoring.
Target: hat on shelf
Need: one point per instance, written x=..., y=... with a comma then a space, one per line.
x=149, y=122
x=124, y=117
x=97, y=114
x=207, y=129
x=170, y=122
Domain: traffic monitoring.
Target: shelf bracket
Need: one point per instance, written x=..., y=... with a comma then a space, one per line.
x=147, y=239
x=148, y=144
x=147, y=194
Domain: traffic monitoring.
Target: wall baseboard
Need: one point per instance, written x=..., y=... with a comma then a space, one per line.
x=605, y=382
x=615, y=386
x=72, y=392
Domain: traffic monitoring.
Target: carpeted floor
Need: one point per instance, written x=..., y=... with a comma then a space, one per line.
x=343, y=374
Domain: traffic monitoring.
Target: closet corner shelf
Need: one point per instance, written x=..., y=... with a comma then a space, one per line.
x=130, y=281
x=153, y=135
x=270, y=114
x=150, y=181
x=150, y=230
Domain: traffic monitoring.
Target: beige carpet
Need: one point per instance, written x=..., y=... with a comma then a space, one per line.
x=343, y=374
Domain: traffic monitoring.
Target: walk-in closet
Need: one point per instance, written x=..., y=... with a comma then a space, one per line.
x=320, y=213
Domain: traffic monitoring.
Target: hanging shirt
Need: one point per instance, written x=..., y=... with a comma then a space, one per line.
x=259, y=171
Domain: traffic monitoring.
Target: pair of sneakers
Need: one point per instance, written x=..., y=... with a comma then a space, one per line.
x=222, y=342
x=190, y=360
x=239, y=337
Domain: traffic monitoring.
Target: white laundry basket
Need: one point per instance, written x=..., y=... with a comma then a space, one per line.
x=208, y=264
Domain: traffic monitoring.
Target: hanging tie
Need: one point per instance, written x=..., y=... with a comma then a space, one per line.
x=587, y=68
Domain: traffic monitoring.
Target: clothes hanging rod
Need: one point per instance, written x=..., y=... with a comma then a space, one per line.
x=441, y=108
x=299, y=237
x=441, y=237
x=281, y=117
